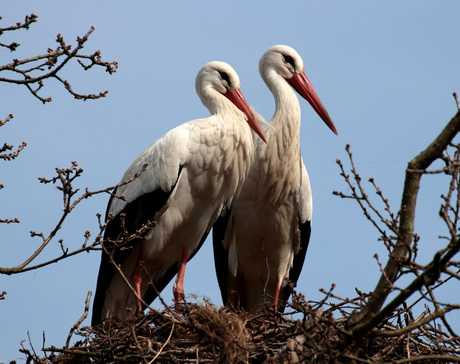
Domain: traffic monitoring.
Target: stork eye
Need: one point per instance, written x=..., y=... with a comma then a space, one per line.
x=289, y=59
x=225, y=77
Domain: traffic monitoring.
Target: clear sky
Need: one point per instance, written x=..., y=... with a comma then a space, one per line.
x=384, y=70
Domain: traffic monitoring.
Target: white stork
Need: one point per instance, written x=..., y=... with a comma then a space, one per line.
x=263, y=240
x=193, y=172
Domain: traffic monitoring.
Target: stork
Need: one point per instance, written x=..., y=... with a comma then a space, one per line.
x=193, y=172
x=262, y=240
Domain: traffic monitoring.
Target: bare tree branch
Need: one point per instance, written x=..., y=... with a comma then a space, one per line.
x=66, y=177
x=32, y=18
x=4, y=155
x=48, y=65
x=365, y=319
x=6, y=147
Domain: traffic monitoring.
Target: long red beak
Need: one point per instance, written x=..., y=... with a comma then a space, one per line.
x=304, y=87
x=240, y=102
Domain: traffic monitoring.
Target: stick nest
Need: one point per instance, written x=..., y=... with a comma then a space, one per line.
x=306, y=333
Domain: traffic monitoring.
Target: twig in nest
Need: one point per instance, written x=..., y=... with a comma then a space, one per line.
x=164, y=345
x=80, y=320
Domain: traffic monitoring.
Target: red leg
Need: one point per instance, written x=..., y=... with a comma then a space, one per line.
x=136, y=279
x=178, y=288
x=277, y=294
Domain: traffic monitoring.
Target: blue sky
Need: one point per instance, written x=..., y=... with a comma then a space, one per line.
x=385, y=72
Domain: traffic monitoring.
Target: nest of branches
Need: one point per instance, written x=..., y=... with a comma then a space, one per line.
x=307, y=332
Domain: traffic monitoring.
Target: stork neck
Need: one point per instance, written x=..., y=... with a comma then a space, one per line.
x=286, y=119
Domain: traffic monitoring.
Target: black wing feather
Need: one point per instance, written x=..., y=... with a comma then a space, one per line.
x=299, y=259
x=220, y=253
x=138, y=212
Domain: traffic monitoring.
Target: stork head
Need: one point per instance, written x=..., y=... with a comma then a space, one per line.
x=217, y=79
x=284, y=61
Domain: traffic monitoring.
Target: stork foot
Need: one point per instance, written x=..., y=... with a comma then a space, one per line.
x=178, y=298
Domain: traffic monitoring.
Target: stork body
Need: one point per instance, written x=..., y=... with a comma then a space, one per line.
x=193, y=171
x=262, y=241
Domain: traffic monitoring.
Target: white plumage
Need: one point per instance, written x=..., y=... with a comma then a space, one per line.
x=263, y=240
x=193, y=172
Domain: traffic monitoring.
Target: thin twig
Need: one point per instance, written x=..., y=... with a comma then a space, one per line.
x=366, y=318
x=164, y=345
x=80, y=320
x=415, y=325
x=66, y=177
x=49, y=64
